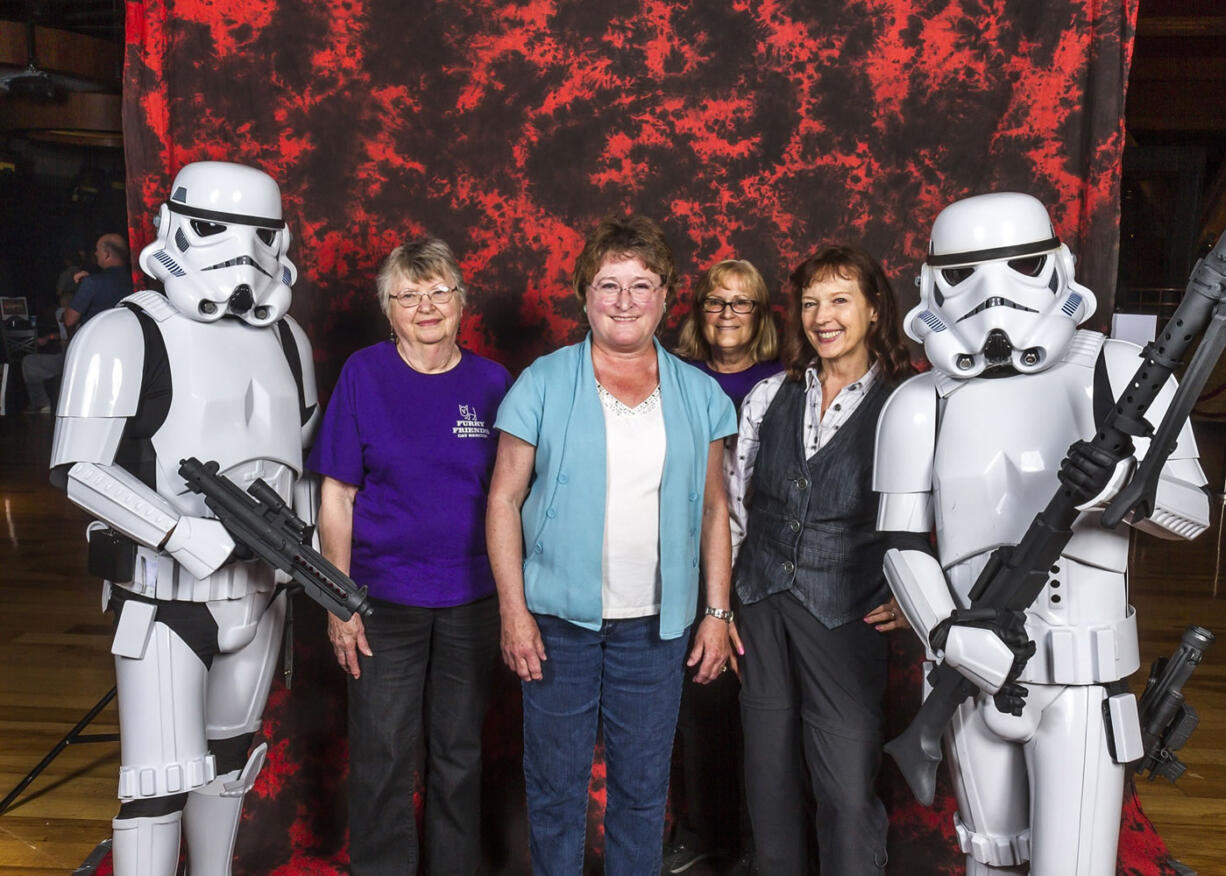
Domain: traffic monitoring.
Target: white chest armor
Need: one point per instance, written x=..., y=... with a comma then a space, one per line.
x=234, y=401
x=1006, y=471
x=1082, y=623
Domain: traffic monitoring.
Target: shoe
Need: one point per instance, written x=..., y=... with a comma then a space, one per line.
x=678, y=857
x=743, y=866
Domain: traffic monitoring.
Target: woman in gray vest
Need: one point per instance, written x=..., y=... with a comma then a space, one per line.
x=808, y=570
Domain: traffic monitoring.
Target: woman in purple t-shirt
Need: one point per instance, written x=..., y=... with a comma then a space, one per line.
x=406, y=449
x=728, y=333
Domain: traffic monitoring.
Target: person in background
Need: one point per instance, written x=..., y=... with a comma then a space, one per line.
x=808, y=571
x=406, y=449
x=98, y=292
x=596, y=546
x=730, y=334
x=74, y=260
x=48, y=362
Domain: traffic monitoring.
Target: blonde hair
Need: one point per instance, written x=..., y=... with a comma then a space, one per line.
x=763, y=345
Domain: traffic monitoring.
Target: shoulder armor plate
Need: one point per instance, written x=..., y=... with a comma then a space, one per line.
x=906, y=438
x=102, y=370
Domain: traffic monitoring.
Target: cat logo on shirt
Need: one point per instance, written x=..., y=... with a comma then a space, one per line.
x=470, y=425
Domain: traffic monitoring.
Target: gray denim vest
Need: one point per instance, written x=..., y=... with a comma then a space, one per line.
x=812, y=524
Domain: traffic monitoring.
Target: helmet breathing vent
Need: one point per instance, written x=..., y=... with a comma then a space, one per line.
x=181, y=240
x=285, y=277
x=933, y=321
x=169, y=263
x=1070, y=306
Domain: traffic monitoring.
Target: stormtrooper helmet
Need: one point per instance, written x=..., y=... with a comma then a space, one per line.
x=221, y=245
x=997, y=293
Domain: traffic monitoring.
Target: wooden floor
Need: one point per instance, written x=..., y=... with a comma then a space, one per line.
x=54, y=644
x=54, y=640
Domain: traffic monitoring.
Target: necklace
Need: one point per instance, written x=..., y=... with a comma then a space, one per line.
x=453, y=359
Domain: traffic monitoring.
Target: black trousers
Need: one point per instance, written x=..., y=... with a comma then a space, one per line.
x=811, y=705
x=431, y=666
x=710, y=806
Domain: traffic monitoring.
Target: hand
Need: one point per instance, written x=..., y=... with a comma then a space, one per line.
x=523, y=651
x=1093, y=475
x=989, y=647
x=887, y=616
x=347, y=638
x=201, y=545
x=712, y=652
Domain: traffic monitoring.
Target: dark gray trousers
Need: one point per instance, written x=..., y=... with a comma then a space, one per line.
x=811, y=704
x=432, y=667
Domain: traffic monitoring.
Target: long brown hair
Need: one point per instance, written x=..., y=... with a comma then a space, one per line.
x=884, y=340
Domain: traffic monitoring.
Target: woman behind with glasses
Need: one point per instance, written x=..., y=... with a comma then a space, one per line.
x=406, y=449
x=596, y=544
x=730, y=334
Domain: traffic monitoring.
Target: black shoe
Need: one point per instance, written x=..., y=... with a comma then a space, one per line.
x=678, y=857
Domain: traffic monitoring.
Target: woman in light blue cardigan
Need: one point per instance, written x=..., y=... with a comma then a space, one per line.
x=606, y=501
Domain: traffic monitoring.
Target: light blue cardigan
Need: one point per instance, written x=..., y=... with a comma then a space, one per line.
x=554, y=406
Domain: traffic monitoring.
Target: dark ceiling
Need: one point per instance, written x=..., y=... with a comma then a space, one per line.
x=96, y=18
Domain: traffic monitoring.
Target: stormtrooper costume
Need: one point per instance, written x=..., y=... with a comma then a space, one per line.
x=214, y=369
x=974, y=447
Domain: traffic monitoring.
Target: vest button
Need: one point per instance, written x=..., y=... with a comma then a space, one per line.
x=551, y=513
x=562, y=478
x=789, y=567
x=794, y=525
x=802, y=483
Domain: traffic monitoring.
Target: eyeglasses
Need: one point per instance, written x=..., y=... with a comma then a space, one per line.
x=410, y=300
x=711, y=304
x=640, y=290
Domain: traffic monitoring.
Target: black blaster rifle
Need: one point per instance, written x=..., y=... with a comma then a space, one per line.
x=1166, y=719
x=260, y=521
x=1015, y=575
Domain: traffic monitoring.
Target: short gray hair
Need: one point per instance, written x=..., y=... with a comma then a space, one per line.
x=419, y=260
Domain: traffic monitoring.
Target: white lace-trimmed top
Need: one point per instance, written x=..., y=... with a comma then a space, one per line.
x=635, y=443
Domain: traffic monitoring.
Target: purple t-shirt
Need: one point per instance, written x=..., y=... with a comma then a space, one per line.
x=738, y=384
x=420, y=448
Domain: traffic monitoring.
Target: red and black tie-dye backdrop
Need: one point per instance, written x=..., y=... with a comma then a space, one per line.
x=755, y=128
x=750, y=128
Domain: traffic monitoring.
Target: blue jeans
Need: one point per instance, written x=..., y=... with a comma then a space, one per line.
x=430, y=665
x=627, y=677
